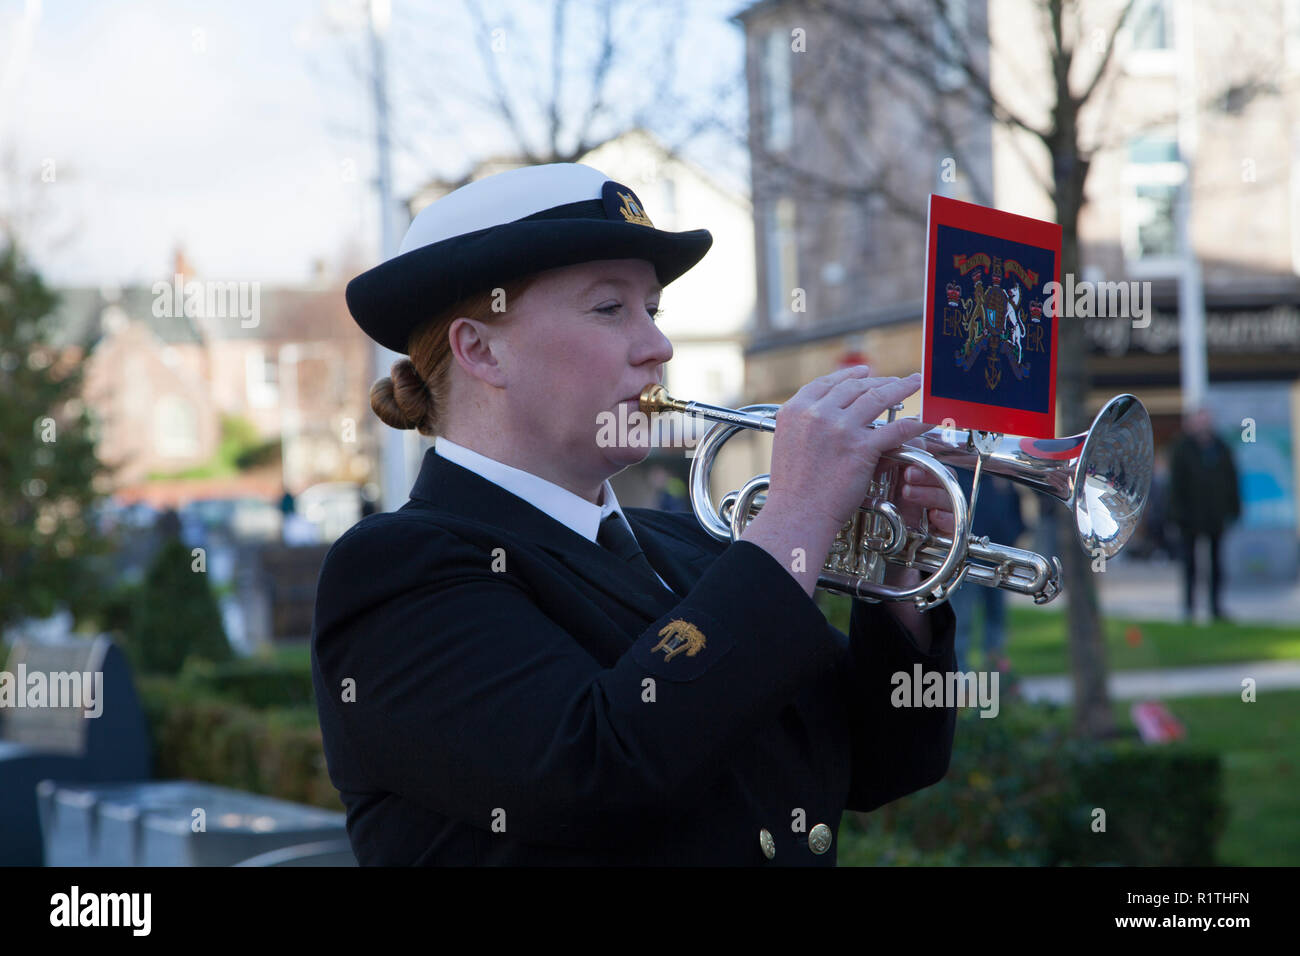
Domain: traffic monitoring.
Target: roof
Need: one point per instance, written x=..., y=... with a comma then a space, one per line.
x=293, y=313
x=746, y=14
x=78, y=318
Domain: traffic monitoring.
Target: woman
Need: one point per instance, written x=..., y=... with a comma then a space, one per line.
x=511, y=668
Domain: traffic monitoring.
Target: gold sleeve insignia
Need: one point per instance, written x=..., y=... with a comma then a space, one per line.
x=677, y=636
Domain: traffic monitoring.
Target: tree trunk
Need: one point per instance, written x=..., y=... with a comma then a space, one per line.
x=1092, y=710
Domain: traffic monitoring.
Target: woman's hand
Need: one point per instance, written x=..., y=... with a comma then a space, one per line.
x=922, y=492
x=825, y=450
x=824, y=455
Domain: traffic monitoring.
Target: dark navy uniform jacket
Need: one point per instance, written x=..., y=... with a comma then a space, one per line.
x=490, y=692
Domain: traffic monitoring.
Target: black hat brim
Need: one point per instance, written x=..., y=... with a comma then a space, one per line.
x=395, y=298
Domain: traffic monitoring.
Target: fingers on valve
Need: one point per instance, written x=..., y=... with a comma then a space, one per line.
x=942, y=519
x=850, y=391
x=818, y=387
x=886, y=392
x=897, y=432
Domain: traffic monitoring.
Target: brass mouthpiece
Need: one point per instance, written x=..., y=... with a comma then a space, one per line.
x=655, y=398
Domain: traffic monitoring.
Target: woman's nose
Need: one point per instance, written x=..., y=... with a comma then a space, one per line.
x=659, y=349
x=653, y=346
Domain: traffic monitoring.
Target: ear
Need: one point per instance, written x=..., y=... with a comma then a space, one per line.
x=472, y=344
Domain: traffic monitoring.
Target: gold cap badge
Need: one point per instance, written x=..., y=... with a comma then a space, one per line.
x=631, y=210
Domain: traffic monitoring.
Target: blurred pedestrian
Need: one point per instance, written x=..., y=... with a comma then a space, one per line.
x=168, y=524
x=998, y=515
x=1203, y=501
x=670, y=491
x=295, y=530
x=369, y=494
x=1156, y=517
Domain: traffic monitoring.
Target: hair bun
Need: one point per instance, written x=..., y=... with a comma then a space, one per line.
x=404, y=400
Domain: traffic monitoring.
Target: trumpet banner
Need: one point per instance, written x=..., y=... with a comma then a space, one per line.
x=990, y=337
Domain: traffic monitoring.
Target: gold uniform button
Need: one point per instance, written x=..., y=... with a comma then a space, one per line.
x=819, y=840
x=767, y=843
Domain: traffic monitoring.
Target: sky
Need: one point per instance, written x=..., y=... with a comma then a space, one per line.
x=243, y=131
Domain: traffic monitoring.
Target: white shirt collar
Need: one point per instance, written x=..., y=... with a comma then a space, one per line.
x=563, y=505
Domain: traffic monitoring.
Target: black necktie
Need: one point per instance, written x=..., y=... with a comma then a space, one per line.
x=614, y=536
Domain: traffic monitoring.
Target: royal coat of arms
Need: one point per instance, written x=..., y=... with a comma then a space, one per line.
x=990, y=360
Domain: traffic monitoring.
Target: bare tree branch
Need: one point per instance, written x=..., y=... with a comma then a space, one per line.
x=600, y=73
x=1091, y=85
x=557, y=72
x=482, y=37
x=922, y=41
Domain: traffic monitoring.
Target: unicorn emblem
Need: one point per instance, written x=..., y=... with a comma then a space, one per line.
x=1014, y=323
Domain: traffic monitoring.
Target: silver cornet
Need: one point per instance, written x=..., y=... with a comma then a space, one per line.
x=1103, y=475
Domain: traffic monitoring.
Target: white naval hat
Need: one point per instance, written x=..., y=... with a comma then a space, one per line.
x=504, y=227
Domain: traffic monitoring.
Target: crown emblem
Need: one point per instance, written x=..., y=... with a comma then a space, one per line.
x=954, y=293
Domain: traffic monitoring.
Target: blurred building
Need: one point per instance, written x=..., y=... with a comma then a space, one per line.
x=165, y=371
x=1199, y=103
x=844, y=150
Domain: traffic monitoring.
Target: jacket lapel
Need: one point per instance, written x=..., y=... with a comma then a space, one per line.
x=679, y=564
x=448, y=487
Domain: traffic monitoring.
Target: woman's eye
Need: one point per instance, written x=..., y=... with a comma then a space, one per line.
x=653, y=311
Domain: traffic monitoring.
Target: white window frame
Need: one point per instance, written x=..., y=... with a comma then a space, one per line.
x=781, y=239
x=259, y=391
x=1295, y=205
x=176, y=428
x=1136, y=175
x=948, y=32
x=778, y=114
x=668, y=194
x=1291, y=32
x=1150, y=61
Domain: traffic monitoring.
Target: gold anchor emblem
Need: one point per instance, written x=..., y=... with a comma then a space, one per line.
x=992, y=373
x=632, y=211
x=677, y=636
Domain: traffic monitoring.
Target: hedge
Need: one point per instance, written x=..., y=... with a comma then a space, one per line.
x=200, y=736
x=1021, y=790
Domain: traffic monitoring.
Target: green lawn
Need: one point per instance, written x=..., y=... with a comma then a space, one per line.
x=1260, y=754
x=1258, y=741
x=1036, y=642
x=293, y=654
x=1261, y=771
